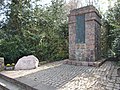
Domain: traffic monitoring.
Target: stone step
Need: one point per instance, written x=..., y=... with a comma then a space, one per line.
x=85, y=63
x=7, y=83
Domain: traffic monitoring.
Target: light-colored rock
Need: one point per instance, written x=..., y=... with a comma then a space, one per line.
x=27, y=62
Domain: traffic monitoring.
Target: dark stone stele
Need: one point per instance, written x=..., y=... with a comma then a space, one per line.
x=84, y=34
x=80, y=29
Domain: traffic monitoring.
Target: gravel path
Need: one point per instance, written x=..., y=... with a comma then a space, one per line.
x=59, y=76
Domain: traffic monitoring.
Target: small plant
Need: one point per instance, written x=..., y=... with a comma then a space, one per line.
x=13, y=64
x=8, y=65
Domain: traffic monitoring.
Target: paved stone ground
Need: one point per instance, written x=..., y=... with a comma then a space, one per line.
x=59, y=76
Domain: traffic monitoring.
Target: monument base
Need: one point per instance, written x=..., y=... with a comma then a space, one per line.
x=85, y=63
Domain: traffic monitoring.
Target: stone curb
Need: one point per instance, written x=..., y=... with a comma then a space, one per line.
x=85, y=63
x=18, y=83
x=3, y=88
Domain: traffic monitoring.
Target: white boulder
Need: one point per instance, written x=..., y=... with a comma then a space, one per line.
x=27, y=62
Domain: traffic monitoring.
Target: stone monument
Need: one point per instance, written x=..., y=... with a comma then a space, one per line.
x=1, y=63
x=84, y=34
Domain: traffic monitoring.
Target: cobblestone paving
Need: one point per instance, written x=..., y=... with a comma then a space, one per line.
x=70, y=77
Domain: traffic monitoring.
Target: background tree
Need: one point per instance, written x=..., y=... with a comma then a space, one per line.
x=33, y=29
x=112, y=26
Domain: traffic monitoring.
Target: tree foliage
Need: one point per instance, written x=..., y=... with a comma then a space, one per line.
x=112, y=25
x=31, y=28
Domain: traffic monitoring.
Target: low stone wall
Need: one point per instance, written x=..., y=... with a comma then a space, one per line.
x=1, y=63
x=3, y=88
x=85, y=63
x=19, y=84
